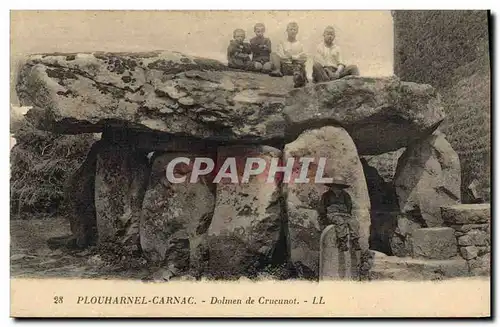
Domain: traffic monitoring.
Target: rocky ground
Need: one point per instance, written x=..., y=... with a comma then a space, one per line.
x=31, y=257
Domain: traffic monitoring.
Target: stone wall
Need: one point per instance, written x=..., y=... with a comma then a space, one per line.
x=450, y=50
x=473, y=232
x=461, y=248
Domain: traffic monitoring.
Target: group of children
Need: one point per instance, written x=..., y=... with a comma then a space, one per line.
x=289, y=58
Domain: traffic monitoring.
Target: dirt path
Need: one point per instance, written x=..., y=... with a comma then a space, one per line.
x=31, y=257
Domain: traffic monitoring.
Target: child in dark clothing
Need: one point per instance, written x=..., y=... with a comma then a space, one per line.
x=261, y=49
x=238, y=52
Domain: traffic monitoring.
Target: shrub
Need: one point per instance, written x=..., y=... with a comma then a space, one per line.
x=40, y=164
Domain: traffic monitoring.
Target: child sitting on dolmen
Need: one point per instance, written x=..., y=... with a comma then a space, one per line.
x=238, y=52
x=290, y=57
x=327, y=63
x=261, y=49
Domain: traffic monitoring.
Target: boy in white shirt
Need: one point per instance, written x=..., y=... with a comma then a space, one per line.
x=327, y=63
x=290, y=55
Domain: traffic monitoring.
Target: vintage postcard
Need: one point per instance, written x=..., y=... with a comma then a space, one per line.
x=250, y=163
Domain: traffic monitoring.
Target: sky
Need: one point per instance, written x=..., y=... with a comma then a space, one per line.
x=365, y=37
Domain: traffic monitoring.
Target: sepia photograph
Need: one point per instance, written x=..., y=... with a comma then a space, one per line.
x=176, y=151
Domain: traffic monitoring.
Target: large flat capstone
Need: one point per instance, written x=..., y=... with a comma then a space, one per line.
x=380, y=114
x=181, y=95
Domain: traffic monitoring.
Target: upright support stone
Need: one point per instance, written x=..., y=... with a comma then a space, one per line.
x=303, y=199
x=428, y=177
x=176, y=216
x=121, y=179
x=140, y=170
x=246, y=230
x=79, y=192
